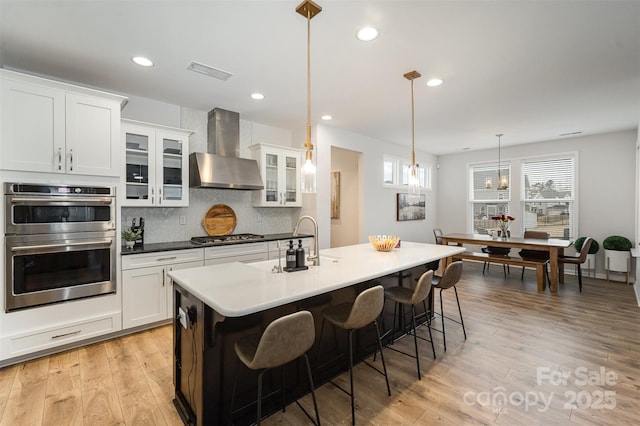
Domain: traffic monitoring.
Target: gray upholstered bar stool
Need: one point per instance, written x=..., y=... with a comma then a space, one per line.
x=284, y=340
x=449, y=279
x=408, y=296
x=362, y=312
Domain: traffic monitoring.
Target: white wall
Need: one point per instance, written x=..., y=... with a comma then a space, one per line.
x=606, y=184
x=379, y=203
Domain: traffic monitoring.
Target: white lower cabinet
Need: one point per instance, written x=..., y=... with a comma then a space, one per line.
x=44, y=328
x=146, y=289
x=50, y=338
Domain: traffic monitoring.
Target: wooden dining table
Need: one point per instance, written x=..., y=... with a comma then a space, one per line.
x=554, y=246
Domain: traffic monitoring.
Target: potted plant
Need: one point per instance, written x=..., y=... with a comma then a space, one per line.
x=591, y=256
x=130, y=237
x=617, y=254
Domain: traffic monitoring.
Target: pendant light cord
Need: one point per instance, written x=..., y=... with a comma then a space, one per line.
x=308, y=141
x=413, y=154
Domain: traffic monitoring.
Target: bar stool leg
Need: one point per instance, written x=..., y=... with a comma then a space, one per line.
x=460, y=312
x=313, y=393
x=415, y=338
x=384, y=366
x=444, y=336
x=259, y=402
x=353, y=406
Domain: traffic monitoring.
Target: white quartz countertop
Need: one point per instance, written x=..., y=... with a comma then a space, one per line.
x=238, y=289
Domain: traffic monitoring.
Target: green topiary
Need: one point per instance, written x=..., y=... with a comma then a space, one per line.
x=617, y=243
x=592, y=250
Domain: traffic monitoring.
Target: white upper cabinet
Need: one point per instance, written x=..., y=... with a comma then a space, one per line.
x=54, y=127
x=280, y=169
x=156, y=171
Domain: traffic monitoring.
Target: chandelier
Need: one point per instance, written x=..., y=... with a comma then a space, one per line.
x=503, y=183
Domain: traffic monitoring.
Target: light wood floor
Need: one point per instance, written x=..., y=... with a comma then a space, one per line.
x=517, y=339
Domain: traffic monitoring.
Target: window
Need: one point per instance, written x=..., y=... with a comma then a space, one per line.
x=396, y=173
x=488, y=202
x=390, y=171
x=548, y=196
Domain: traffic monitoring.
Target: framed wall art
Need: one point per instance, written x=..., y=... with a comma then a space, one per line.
x=410, y=207
x=335, y=195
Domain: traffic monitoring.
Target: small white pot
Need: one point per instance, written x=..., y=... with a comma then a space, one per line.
x=617, y=261
x=129, y=244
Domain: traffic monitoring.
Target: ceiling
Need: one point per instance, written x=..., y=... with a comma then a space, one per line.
x=532, y=70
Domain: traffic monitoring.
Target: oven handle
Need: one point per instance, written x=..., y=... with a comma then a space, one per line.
x=52, y=246
x=101, y=201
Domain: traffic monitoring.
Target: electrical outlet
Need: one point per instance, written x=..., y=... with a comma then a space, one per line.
x=183, y=220
x=258, y=217
x=184, y=318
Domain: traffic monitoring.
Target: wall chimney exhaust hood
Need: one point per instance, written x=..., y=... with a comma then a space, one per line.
x=221, y=166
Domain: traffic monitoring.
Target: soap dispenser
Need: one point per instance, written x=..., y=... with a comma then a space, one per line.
x=300, y=262
x=291, y=256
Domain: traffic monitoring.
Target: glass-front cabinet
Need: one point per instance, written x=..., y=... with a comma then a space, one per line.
x=157, y=168
x=280, y=168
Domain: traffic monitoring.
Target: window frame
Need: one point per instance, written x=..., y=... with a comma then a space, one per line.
x=499, y=200
x=399, y=178
x=572, y=200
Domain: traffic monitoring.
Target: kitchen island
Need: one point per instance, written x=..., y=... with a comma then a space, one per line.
x=216, y=305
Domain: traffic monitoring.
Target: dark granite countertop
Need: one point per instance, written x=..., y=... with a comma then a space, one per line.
x=183, y=245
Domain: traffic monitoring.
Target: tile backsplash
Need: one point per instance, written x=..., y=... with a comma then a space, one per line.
x=162, y=224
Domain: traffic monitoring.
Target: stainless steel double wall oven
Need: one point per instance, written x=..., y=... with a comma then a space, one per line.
x=60, y=243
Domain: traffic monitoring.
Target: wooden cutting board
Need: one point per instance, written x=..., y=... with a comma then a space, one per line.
x=219, y=220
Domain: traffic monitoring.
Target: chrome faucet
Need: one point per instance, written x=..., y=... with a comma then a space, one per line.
x=315, y=259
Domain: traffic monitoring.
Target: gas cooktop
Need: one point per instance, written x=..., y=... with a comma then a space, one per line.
x=233, y=238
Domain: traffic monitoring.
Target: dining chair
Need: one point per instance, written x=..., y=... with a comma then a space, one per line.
x=502, y=251
x=579, y=260
x=536, y=254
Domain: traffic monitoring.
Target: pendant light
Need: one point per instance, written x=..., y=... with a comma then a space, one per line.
x=503, y=183
x=414, y=169
x=308, y=9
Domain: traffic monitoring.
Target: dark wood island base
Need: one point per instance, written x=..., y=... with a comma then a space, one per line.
x=204, y=357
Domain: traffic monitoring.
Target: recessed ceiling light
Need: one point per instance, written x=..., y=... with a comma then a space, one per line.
x=142, y=61
x=367, y=34
x=466, y=148
x=326, y=117
x=257, y=96
x=435, y=82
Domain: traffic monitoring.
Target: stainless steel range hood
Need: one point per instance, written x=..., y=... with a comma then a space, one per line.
x=221, y=167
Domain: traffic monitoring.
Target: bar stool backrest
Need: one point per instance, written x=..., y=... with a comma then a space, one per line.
x=451, y=275
x=284, y=340
x=366, y=308
x=437, y=233
x=423, y=288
